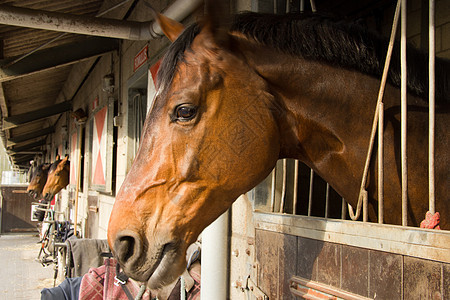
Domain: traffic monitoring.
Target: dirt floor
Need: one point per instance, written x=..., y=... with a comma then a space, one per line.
x=21, y=276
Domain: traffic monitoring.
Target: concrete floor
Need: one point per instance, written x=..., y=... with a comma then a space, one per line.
x=21, y=276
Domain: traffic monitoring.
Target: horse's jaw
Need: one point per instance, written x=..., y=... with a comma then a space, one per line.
x=168, y=269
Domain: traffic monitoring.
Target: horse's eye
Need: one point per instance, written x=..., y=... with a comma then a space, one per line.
x=185, y=112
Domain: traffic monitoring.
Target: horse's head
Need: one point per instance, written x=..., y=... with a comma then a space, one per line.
x=58, y=178
x=210, y=136
x=38, y=180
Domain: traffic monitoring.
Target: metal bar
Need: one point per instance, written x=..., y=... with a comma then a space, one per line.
x=375, y=118
x=327, y=196
x=365, y=208
x=431, y=106
x=344, y=209
x=283, y=188
x=403, y=106
x=381, y=164
x=302, y=5
x=272, y=189
x=295, y=192
x=313, y=6
x=311, y=182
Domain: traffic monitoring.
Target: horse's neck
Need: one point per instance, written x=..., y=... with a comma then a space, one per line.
x=328, y=114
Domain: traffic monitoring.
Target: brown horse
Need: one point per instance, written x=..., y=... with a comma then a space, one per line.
x=58, y=178
x=38, y=179
x=234, y=100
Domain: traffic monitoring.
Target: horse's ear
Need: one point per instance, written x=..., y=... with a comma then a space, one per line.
x=217, y=22
x=57, y=157
x=171, y=28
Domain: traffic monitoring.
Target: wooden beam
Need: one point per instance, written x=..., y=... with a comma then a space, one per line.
x=23, y=159
x=26, y=147
x=56, y=56
x=14, y=121
x=22, y=138
x=26, y=152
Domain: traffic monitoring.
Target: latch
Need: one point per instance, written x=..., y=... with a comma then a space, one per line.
x=255, y=290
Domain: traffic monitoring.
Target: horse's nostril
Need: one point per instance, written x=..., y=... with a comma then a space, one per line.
x=127, y=248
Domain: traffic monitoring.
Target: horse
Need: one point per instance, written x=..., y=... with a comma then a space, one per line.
x=38, y=179
x=58, y=178
x=233, y=97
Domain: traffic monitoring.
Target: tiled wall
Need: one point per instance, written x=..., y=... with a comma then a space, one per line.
x=373, y=274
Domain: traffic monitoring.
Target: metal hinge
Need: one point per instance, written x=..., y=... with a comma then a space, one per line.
x=255, y=290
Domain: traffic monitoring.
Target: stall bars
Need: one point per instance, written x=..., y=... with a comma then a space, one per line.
x=378, y=121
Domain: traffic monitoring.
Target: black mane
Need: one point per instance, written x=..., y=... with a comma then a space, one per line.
x=320, y=38
x=54, y=165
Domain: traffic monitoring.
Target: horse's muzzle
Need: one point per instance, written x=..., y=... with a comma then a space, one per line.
x=128, y=249
x=132, y=254
x=48, y=196
x=33, y=193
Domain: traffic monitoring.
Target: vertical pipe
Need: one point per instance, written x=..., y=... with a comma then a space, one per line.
x=380, y=164
x=302, y=5
x=283, y=188
x=313, y=6
x=272, y=189
x=182, y=288
x=295, y=192
x=403, y=106
x=214, y=260
x=311, y=181
x=431, y=107
x=365, y=208
x=327, y=194
x=344, y=209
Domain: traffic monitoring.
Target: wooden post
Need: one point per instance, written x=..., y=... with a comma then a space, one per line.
x=77, y=189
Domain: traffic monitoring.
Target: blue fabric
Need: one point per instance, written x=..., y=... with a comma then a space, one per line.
x=69, y=289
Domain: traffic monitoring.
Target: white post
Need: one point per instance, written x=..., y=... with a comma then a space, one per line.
x=431, y=107
x=381, y=164
x=214, y=267
x=403, y=89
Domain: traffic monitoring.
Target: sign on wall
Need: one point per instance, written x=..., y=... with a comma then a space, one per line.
x=140, y=58
x=99, y=147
